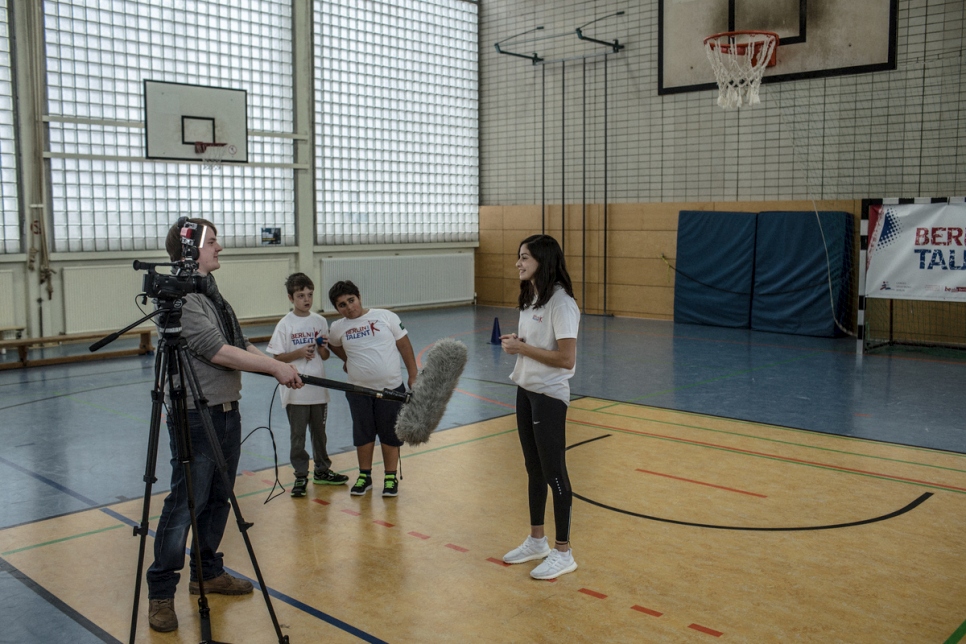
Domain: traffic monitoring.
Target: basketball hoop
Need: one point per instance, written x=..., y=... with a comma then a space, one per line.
x=738, y=59
x=212, y=154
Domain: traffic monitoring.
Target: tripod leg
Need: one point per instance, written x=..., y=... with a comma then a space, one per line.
x=150, y=467
x=227, y=478
x=185, y=452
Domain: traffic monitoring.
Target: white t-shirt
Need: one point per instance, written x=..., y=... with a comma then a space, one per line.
x=369, y=342
x=293, y=332
x=541, y=328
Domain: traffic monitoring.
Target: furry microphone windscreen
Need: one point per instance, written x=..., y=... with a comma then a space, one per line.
x=432, y=390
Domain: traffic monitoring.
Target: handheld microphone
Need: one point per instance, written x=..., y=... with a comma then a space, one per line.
x=431, y=392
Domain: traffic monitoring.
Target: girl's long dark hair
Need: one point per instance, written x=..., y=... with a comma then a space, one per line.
x=551, y=270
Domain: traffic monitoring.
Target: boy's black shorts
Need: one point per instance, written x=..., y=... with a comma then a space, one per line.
x=373, y=417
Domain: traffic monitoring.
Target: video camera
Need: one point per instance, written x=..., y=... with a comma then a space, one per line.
x=185, y=278
x=170, y=287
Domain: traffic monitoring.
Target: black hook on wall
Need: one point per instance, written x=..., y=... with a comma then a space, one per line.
x=616, y=46
x=533, y=59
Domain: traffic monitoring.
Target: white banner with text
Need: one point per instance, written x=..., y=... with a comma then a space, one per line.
x=917, y=252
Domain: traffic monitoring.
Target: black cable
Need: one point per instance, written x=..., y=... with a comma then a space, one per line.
x=278, y=483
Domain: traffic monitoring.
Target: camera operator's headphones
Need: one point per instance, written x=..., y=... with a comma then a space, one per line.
x=192, y=237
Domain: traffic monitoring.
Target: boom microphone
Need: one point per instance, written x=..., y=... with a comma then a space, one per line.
x=433, y=388
x=425, y=405
x=388, y=394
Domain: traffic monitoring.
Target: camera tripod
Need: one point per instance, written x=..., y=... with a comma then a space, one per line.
x=173, y=370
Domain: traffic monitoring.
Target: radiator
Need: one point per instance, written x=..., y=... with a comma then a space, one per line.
x=400, y=280
x=7, y=317
x=102, y=298
x=255, y=288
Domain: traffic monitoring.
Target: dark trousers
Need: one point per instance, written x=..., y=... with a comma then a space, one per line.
x=542, y=427
x=312, y=417
x=212, y=503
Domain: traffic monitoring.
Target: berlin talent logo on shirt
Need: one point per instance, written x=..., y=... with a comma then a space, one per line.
x=303, y=337
x=362, y=331
x=538, y=318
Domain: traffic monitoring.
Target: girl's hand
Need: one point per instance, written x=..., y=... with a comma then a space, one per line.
x=511, y=343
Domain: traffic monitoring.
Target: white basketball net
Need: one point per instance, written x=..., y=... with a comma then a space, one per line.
x=739, y=61
x=213, y=155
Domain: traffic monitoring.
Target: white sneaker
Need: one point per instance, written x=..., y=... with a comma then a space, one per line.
x=557, y=563
x=530, y=550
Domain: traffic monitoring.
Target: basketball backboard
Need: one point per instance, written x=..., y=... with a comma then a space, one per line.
x=177, y=117
x=817, y=37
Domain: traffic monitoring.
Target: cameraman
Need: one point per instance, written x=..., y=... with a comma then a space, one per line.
x=218, y=353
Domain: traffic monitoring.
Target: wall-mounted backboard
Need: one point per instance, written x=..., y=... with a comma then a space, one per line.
x=817, y=37
x=178, y=117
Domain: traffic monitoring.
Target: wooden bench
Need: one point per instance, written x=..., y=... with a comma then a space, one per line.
x=269, y=321
x=24, y=345
x=17, y=330
x=4, y=330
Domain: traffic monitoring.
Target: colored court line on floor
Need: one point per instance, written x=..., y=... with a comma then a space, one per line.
x=291, y=601
x=61, y=540
x=726, y=376
x=792, y=443
x=57, y=604
x=401, y=455
x=54, y=484
x=489, y=400
x=744, y=343
x=909, y=507
x=957, y=635
x=586, y=591
x=139, y=419
x=68, y=394
x=718, y=487
x=775, y=457
x=705, y=629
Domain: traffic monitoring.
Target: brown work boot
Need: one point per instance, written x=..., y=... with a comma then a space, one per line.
x=161, y=615
x=224, y=584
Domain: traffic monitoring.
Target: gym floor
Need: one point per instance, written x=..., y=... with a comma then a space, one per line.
x=731, y=485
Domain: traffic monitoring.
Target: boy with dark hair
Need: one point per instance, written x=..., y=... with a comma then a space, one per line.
x=371, y=342
x=300, y=339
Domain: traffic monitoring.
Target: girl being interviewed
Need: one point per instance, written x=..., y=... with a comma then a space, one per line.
x=545, y=345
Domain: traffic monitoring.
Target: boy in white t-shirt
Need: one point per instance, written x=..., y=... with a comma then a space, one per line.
x=300, y=339
x=371, y=342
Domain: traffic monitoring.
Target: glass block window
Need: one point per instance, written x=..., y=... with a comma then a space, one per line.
x=105, y=195
x=10, y=232
x=396, y=114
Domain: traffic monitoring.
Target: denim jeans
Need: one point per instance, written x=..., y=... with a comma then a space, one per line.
x=212, y=503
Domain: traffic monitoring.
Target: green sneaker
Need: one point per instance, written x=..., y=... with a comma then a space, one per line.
x=363, y=484
x=299, y=488
x=391, y=486
x=329, y=478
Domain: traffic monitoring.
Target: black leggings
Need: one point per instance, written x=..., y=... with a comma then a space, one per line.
x=542, y=426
